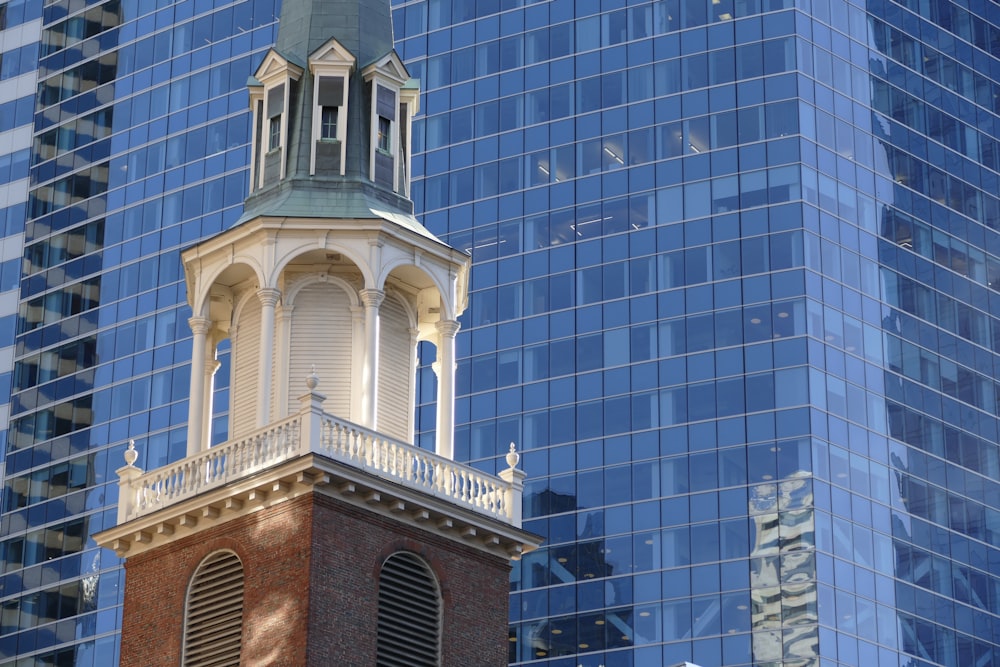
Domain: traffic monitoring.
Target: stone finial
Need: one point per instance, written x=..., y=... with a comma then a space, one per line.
x=312, y=381
x=512, y=456
x=131, y=454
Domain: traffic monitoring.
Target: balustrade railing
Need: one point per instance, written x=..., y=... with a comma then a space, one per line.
x=312, y=431
x=414, y=467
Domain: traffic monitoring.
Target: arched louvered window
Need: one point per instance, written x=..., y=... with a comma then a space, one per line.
x=409, y=614
x=213, y=618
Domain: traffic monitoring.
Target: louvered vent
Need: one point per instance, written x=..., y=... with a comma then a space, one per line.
x=213, y=623
x=409, y=614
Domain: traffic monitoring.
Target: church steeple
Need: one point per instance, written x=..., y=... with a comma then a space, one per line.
x=327, y=266
x=332, y=116
x=318, y=511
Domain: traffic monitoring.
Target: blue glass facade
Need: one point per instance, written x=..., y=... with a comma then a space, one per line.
x=137, y=127
x=734, y=296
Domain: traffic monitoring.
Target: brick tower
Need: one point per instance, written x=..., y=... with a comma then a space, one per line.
x=317, y=534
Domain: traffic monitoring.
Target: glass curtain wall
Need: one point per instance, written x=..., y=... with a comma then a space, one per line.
x=733, y=297
x=139, y=148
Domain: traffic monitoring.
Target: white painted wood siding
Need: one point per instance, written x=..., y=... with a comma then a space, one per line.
x=395, y=367
x=321, y=335
x=244, y=384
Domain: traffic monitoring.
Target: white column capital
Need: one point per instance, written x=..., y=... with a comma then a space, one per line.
x=447, y=328
x=200, y=326
x=372, y=298
x=269, y=296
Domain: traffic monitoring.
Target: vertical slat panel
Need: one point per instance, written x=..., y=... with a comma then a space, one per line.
x=395, y=368
x=213, y=619
x=322, y=336
x=409, y=614
x=246, y=369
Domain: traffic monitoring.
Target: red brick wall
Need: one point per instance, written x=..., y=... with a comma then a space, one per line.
x=274, y=547
x=333, y=622
x=349, y=546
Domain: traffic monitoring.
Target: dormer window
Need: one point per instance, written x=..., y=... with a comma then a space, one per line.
x=393, y=103
x=270, y=98
x=328, y=123
x=331, y=65
x=328, y=131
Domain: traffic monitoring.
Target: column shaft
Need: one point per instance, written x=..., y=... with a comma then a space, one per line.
x=196, y=401
x=372, y=299
x=211, y=366
x=268, y=300
x=282, y=361
x=446, y=388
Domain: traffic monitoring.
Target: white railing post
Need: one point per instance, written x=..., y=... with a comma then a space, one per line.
x=514, y=492
x=127, y=475
x=311, y=429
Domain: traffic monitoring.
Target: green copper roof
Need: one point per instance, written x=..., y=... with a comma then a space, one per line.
x=365, y=29
x=362, y=27
x=323, y=198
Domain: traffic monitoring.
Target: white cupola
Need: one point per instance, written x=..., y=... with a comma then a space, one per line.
x=327, y=269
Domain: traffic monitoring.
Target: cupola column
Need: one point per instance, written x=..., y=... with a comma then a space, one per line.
x=372, y=299
x=200, y=327
x=268, y=300
x=445, y=368
x=211, y=366
x=284, y=317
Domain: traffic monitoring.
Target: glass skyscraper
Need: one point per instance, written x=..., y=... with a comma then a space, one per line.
x=734, y=295
x=135, y=117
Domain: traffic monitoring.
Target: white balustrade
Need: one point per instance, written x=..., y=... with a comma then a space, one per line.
x=335, y=439
x=414, y=467
x=207, y=470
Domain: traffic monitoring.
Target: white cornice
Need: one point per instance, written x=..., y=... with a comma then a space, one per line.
x=317, y=474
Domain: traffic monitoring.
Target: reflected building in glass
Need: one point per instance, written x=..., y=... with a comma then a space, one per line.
x=134, y=119
x=734, y=295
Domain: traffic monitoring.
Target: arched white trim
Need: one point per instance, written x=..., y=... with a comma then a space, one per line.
x=206, y=280
x=360, y=263
x=240, y=302
x=444, y=280
x=406, y=303
x=301, y=282
x=387, y=268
